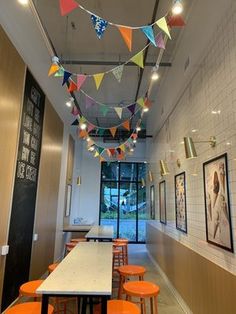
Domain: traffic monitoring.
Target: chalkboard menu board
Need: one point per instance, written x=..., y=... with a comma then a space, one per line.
x=25, y=190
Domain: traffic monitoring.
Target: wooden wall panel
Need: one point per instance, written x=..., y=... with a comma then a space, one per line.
x=12, y=72
x=47, y=197
x=205, y=287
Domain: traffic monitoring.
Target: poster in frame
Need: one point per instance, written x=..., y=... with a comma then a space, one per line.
x=180, y=202
x=152, y=202
x=217, y=203
x=162, y=201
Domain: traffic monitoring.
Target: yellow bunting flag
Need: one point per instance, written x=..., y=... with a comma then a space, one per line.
x=96, y=154
x=161, y=23
x=140, y=101
x=126, y=125
x=113, y=131
x=98, y=79
x=138, y=59
x=53, y=69
x=126, y=33
x=118, y=110
x=122, y=147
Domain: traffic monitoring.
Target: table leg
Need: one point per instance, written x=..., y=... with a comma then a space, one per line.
x=44, y=308
x=104, y=304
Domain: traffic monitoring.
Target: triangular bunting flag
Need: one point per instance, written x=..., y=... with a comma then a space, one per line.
x=66, y=77
x=126, y=33
x=113, y=131
x=53, y=69
x=118, y=150
x=126, y=125
x=82, y=120
x=99, y=24
x=132, y=108
x=96, y=154
x=100, y=150
x=101, y=159
x=112, y=151
x=176, y=21
x=83, y=134
x=59, y=73
x=98, y=79
x=140, y=101
x=104, y=110
x=121, y=156
x=80, y=80
x=76, y=122
x=147, y=103
x=75, y=111
x=118, y=71
x=118, y=110
x=101, y=132
x=91, y=127
x=148, y=31
x=161, y=23
x=122, y=147
x=67, y=6
x=134, y=136
x=160, y=41
x=72, y=87
x=138, y=59
x=89, y=102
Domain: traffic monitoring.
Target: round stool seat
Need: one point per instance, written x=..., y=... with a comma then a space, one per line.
x=52, y=267
x=29, y=288
x=28, y=308
x=118, y=307
x=141, y=289
x=121, y=240
x=131, y=270
x=78, y=240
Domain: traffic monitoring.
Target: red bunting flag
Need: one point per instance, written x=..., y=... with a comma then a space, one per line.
x=176, y=21
x=72, y=87
x=67, y=6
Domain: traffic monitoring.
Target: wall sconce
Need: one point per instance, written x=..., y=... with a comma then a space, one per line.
x=150, y=176
x=163, y=168
x=79, y=180
x=190, y=151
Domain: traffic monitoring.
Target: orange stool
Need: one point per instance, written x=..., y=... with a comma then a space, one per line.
x=118, y=307
x=52, y=267
x=121, y=240
x=127, y=271
x=78, y=240
x=69, y=247
x=29, y=288
x=143, y=290
x=123, y=247
x=28, y=308
x=117, y=260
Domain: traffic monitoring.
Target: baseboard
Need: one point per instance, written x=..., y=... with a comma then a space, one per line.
x=178, y=297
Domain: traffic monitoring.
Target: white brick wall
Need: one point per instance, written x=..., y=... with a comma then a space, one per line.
x=213, y=87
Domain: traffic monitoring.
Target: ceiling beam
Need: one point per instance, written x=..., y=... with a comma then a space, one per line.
x=90, y=62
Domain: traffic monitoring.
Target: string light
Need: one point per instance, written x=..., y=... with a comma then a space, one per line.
x=134, y=141
x=88, y=139
x=155, y=75
x=177, y=7
x=83, y=126
x=23, y=2
x=138, y=128
x=146, y=109
x=70, y=102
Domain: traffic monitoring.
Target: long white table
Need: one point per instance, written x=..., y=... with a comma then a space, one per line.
x=85, y=271
x=100, y=233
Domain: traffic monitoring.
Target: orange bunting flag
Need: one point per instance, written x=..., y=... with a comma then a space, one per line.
x=72, y=87
x=53, y=69
x=147, y=103
x=121, y=156
x=101, y=159
x=138, y=59
x=126, y=125
x=127, y=35
x=83, y=134
x=67, y=6
x=113, y=131
x=98, y=79
x=134, y=136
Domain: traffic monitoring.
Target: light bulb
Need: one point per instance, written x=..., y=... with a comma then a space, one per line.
x=146, y=109
x=177, y=7
x=134, y=141
x=88, y=139
x=155, y=75
x=131, y=149
x=138, y=128
x=83, y=126
x=23, y=2
x=70, y=102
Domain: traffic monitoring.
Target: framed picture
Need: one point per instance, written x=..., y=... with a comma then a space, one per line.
x=68, y=199
x=152, y=202
x=180, y=202
x=162, y=201
x=217, y=206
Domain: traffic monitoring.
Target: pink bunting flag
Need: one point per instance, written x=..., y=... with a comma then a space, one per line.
x=160, y=41
x=90, y=127
x=75, y=111
x=89, y=102
x=67, y=6
x=80, y=80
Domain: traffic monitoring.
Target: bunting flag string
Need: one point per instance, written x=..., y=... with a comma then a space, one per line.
x=117, y=71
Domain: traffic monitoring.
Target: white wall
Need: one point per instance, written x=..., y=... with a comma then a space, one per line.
x=86, y=197
x=213, y=87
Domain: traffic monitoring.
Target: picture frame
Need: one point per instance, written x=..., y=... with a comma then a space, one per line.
x=152, y=202
x=68, y=200
x=162, y=201
x=217, y=203
x=180, y=202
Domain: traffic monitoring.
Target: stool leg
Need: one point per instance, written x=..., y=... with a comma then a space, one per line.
x=155, y=305
x=151, y=305
x=78, y=305
x=122, y=281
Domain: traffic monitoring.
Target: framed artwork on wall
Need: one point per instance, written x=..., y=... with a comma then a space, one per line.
x=217, y=205
x=152, y=202
x=180, y=202
x=162, y=201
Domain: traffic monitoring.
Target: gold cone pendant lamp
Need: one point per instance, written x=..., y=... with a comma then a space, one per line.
x=190, y=151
